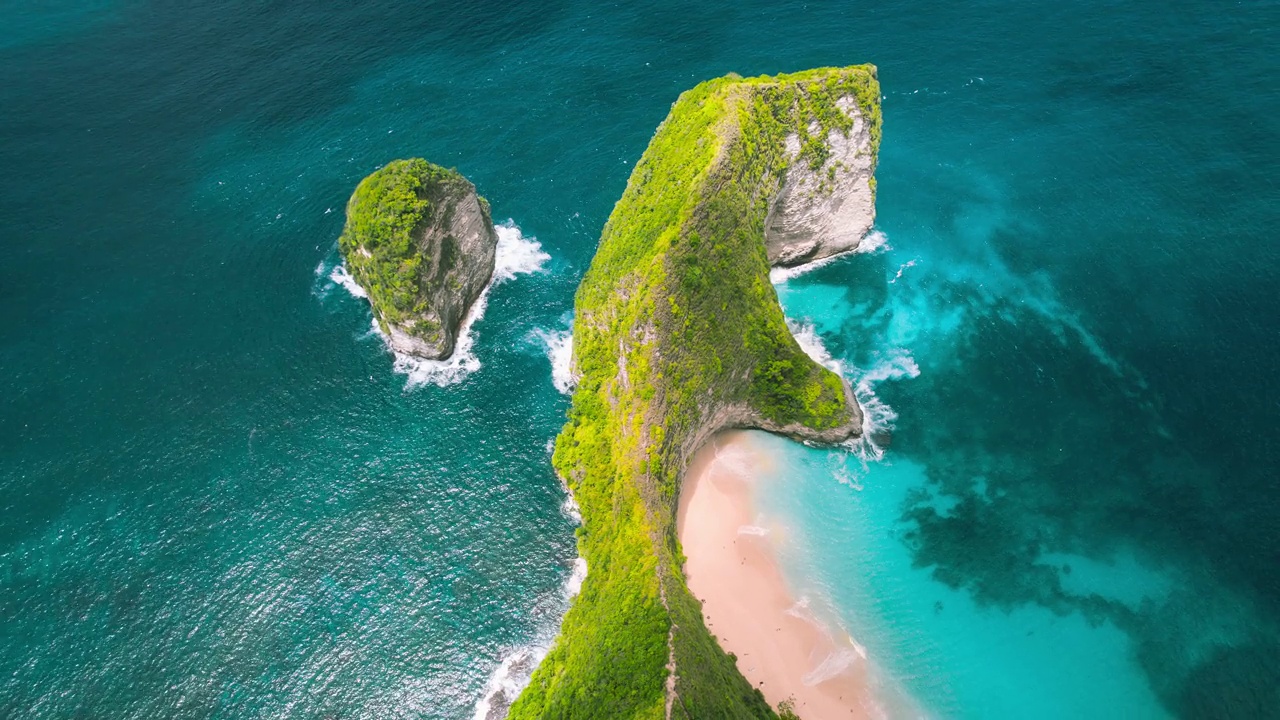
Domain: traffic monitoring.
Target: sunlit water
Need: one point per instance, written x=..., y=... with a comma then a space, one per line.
x=223, y=497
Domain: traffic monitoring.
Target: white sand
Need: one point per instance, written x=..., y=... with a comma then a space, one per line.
x=746, y=602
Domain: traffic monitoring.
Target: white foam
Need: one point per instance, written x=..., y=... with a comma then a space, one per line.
x=453, y=369
x=343, y=278
x=800, y=608
x=811, y=343
x=559, y=345
x=878, y=418
x=779, y=275
x=845, y=476
x=507, y=681
x=895, y=365
x=374, y=330
x=832, y=665
x=857, y=647
x=753, y=530
x=901, y=269
x=570, y=505
x=516, y=668
x=515, y=255
x=571, y=510
x=576, y=578
x=872, y=242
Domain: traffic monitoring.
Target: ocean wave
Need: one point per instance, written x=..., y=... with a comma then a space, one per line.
x=800, y=608
x=506, y=682
x=845, y=476
x=322, y=284
x=811, y=343
x=453, y=369
x=559, y=348
x=340, y=276
x=515, y=255
x=873, y=242
x=570, y=506
x=576, y=578
x=877, y=417
x=753, y=530
x=571, y=510
x=516, y=668
x=835, y=663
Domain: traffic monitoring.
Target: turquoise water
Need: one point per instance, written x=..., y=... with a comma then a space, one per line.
x=957, y=658
x=221, y=499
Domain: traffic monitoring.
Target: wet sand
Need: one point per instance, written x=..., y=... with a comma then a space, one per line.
x=732, y=568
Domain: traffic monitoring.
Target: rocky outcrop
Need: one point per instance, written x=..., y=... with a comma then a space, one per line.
x=421, y=242
x=677, y=334
x=828, y=208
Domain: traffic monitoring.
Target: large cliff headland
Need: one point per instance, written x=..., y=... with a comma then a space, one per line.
x=421, y=242
x=678, y=334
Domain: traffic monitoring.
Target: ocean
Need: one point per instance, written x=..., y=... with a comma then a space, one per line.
x=222, y=497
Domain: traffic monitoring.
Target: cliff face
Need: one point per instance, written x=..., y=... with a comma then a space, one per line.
x=677, y=334
x=827, y=203
x=421, y=243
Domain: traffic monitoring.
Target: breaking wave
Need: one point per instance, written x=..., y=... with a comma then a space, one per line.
x=559, y=346
x=340, y=276
x=832, y=665
x=873, y=242
x=570, y=505
x=811, y=343
x=515, y=255
x=516, y=668
x=877, y=417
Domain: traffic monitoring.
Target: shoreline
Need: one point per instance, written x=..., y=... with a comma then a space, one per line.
x=732, y=567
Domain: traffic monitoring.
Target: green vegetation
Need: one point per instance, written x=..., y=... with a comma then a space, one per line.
x=676, y=322
x=379, y=242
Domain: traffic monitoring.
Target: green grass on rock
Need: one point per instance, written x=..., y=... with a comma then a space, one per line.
x=678, y=332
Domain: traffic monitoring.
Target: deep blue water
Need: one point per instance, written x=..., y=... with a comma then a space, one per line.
x=220, y=499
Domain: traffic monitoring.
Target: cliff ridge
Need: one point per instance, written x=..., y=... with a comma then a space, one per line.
x=677, y=334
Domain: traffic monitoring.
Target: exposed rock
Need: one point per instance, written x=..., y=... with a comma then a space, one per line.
x=421, y=243
x=828, y=210
x=677, y=334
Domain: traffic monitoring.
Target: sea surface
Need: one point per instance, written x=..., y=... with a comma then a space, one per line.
x=222, y=497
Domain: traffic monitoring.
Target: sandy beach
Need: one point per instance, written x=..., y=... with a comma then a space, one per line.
x=746, y=602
